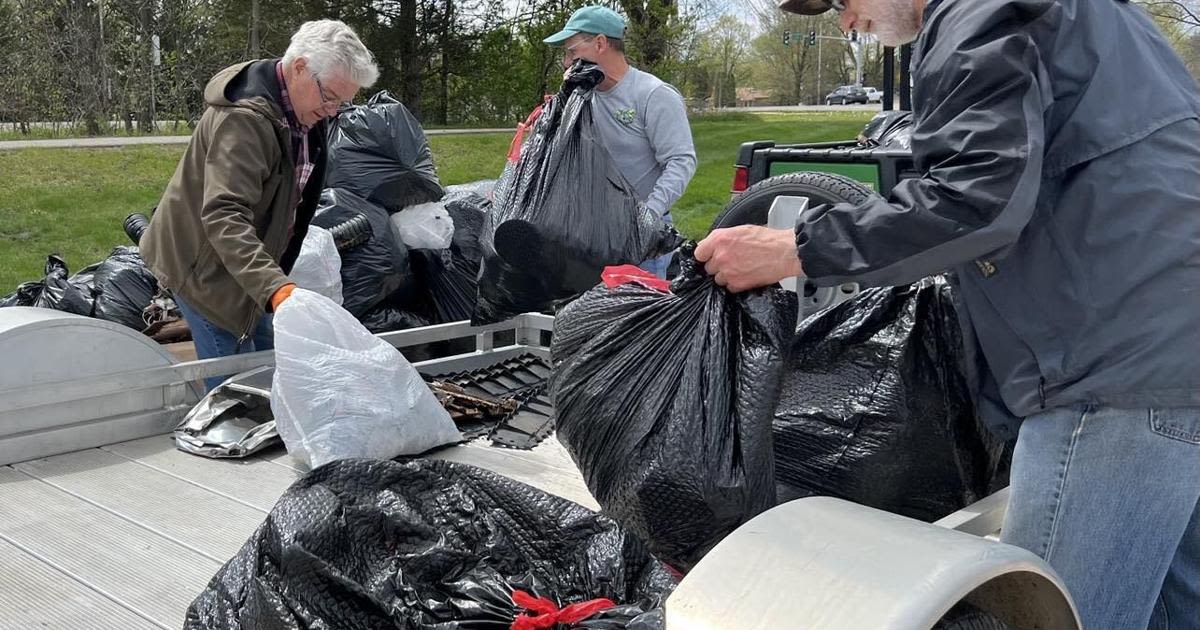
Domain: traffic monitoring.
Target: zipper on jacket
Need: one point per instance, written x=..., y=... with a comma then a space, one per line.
x=1042, y=390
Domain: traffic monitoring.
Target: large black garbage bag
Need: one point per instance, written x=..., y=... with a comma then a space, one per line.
x=426, y=544
x=372, y=270
x=449, y=275
x=562, y=212
x=387, y=317
x=379, y=152
x=124, y=287
x=875, y=408
x=665, y=400
x=53, y=291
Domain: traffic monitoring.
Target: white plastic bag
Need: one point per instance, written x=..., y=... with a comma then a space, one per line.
x=340, y=392
x=425, y=226
x=319, y=266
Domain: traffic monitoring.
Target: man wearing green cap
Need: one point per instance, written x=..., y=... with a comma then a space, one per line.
x=641, y=119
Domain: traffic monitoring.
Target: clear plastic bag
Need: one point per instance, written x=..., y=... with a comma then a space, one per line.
x=318, y=268
x=340, y=392
x=425, y=226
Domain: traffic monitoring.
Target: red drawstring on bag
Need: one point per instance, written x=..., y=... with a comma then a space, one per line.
x=514, y=149
x=546, y=614
x=614, y=277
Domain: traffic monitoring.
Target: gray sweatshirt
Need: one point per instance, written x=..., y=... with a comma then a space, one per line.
x=644, y=125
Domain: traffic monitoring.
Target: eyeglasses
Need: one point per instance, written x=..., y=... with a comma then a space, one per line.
x=326, y=101
x=569, y=52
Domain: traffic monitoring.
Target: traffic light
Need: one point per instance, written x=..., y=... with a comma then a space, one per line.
x=787, y=38
x=812, y=38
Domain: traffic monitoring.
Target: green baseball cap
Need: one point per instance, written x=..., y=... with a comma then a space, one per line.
x=593, y=20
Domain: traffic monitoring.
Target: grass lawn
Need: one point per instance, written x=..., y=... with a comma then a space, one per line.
x=72, y=201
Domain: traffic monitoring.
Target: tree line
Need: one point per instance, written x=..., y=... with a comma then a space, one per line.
x=106, y=65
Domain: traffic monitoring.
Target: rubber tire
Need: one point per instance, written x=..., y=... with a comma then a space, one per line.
x=828, y=103
x=843, y=102
x=967, y=617
x=751, y=207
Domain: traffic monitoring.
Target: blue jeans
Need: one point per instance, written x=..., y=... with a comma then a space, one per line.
x=212, y=341
x=1108, y=497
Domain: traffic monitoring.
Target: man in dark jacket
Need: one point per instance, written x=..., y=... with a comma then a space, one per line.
x=1059, y=146
x=231, y=221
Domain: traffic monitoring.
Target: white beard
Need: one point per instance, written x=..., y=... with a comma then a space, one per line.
x=895, y=22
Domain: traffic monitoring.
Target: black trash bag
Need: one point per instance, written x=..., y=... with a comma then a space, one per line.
x=54, y=291
x=378, y=151
x=124, y=287
x=889, y=130
x=665, y=401
x=875, y=407
x=426, y=544
x=449, y=275
x=70, y=295
x=562, y=212
x=374, y=269
x=387, y=317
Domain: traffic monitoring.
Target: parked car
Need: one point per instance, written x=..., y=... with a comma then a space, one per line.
x=874, y=95
x=846, y=94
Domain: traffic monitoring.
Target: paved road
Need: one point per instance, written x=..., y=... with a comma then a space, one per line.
x=81, y=143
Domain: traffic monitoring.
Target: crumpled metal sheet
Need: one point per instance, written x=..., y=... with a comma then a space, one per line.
x=229, y=422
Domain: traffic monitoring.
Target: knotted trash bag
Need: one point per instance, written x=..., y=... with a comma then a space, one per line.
x=55, y=290
x=665, y=401
x=432, y=544
x=124, y=287
x=562, y=212
x=379, y=152
x=340, y=392
x=449, y=275
x=373, y=270
x=875, y=407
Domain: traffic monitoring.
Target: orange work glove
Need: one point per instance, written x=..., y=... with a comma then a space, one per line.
x=281, y=294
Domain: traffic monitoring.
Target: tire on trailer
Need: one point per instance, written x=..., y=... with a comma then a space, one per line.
x=753, y=205
x=967, y=617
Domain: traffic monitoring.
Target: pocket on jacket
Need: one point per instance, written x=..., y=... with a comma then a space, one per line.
x=1181, y=423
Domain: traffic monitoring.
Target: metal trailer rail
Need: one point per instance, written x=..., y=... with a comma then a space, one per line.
x=105, y=524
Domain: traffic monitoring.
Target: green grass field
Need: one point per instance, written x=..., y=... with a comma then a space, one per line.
x=72, y=201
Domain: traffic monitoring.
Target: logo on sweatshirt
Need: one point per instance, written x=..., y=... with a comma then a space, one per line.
x=625, y=116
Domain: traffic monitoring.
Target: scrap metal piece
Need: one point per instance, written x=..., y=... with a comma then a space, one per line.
x=228, y=422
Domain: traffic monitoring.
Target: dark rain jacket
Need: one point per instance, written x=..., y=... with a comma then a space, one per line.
x=1059, y=142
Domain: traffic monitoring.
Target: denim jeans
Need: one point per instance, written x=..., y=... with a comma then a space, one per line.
x=212, y=341
x=1108, y=497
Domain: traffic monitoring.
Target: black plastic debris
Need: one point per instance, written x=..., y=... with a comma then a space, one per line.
x=431, y=544
x=889, y=130
x=371, y=270
x=379, y=152
x=55, y=290
x=875, y=407
x=389, y=317
x=665, y=400
x=124, y=287
x=527, y=426
x=562, y=212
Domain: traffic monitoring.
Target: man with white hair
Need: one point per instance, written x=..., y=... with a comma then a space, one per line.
x=1058, y=146
x=232, y=219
